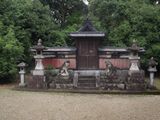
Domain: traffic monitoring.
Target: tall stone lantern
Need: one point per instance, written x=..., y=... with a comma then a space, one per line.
x=22, y=74
x=38, y=79
x=39, y=68
x=134, y=58
x=152, y=69
x=136, y=77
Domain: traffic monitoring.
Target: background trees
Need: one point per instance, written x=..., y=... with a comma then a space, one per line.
x=125, y=20
x=67, y=14
x=23, y=22
x=61, y=10
x=11, y=51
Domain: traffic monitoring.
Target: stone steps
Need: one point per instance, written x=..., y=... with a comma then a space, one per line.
x=86, y=79
x=86, y=83
x=86, y=88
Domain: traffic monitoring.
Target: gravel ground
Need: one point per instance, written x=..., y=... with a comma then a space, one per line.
x=18, y=105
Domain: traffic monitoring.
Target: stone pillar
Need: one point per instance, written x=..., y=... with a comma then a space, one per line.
x=39, y=68
x=151, y=78
x=152, y=69
x=75, y=79
x=22, y=80
x=97, y=75
x=22, y=74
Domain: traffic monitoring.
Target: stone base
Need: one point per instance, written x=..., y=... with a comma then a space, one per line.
x=54, y=85
x=37, y=82
x=91, y=80
x=61, y=79
x=22, y=85
x=136, y=81
x=115, y=86
x=136, y=87
x=38, y=72
x=64, y=86
x=151, y=87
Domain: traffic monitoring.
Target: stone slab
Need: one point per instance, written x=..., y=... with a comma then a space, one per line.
x=38, y=72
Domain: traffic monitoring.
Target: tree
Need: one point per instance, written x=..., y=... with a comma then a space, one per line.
x=11, y=51
x=64, y=9
x=125, y=20
x=25, y=21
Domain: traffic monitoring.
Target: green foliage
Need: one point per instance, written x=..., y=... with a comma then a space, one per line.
x=67, y=14
x=125, y=20
x=49, y=67
x=50, y=72
x=22, y=23
x=62, y=10
x=11, y=51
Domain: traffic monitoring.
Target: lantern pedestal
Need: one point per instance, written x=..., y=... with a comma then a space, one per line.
x=39, y=69
x=22, y=79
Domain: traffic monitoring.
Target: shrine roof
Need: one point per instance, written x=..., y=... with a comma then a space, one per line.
x=58, y=49
x=116, y=49
x=87, y=30
x=61, y=49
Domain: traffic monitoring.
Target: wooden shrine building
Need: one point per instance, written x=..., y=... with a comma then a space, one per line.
x=87, y=41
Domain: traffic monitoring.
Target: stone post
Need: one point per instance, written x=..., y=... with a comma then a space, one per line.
x=152, y=69
x=22, y=74
x=97, y=75
x=75, y=79
x=151, y=76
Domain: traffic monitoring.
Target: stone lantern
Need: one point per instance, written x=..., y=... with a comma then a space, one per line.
x=152, y=69
x=136, y=77
x=39, y=68
x=22, y=73
x=134, y=58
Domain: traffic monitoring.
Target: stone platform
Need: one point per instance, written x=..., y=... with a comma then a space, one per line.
x=91, y=80
x=86, y=91
x=86, y=79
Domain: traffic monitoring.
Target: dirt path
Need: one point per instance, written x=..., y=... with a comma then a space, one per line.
x=16, y=105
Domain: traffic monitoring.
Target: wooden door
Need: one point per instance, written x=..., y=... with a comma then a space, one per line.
x=87, y=57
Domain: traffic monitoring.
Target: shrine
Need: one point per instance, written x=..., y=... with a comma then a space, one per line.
x=89, y=65
x=87, y=40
